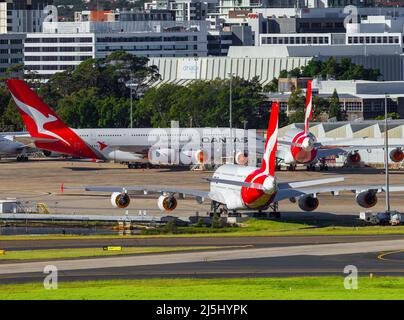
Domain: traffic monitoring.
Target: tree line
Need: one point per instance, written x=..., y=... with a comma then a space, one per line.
x=97, y=94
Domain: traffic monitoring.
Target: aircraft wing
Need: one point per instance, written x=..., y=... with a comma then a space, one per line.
x=326, y=151
x=335, y=190
x=145, y=189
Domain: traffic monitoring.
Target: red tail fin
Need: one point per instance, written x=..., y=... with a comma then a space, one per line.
x=271, y=144
x=45, y=127
x=309, y=107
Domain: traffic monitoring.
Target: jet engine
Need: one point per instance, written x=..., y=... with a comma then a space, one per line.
x=241, y=158
x=162, y=156
x=200, y=156
x=353, y=158
x=120, y=200
x=397, y=155
x=51, y=154
x=366, y=199
x=167, y=203
x=308, y=203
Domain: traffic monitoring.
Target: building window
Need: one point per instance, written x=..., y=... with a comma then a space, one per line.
x=67, y=49
x=49, y=49
x=66, y=40
x=32, y=40
x=49, y=58
x=67, y=58
x=84, y=49
x=50, y=67
x=32, y=49
x=32, y=58
x=49, y=40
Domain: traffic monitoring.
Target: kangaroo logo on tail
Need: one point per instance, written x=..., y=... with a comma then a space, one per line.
x=39, y=119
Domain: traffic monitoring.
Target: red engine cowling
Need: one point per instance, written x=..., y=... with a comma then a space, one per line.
x=396, y=155
x=366, y=199
x=353, y=158
x=200, y=157
x=308, y=203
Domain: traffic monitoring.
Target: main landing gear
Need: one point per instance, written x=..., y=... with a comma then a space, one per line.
x=221, y=210
x=139, y=165
x=292, y=167
x=22, y=158
x=323, y=165
x=311, y=167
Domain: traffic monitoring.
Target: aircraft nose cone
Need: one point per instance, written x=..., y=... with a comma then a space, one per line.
x=270, y=185
x=307, y=144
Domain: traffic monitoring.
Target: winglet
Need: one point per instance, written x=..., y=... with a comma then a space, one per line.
x=309, y=107
x=62, y=188
x=271, y=144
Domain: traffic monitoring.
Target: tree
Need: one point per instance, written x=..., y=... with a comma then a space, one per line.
x=272, y=86
x=390, y=115
x=335, y=108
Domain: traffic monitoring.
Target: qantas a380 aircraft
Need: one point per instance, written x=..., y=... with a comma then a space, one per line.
x=301, y=146
x=236, y=187
x=132, y=146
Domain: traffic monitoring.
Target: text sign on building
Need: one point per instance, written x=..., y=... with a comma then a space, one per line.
x=189, y=68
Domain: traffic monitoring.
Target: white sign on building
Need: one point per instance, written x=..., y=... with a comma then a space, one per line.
x=189, y=68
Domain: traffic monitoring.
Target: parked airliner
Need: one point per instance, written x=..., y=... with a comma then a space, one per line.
x=132, y=146
x=9, y=147
x=301, y=146
x=235, y=187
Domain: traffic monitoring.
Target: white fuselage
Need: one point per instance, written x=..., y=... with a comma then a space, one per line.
x=134, y=145
x=226, y=193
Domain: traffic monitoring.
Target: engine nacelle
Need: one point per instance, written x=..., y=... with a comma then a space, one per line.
x=396, y=155
x=162, y=156
x=167, y=203
x=308, y=203
x=51, y=154
x=353, y=158
x=120, y=200
x=200, y=157
x=241, y=158
x=366, y=199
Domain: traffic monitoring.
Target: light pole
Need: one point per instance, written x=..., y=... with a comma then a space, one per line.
x=131, y=106
x=230, y=117
x=386, y=155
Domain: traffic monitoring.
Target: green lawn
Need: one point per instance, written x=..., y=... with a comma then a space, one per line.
x=253, y=227
x=246, y=288
x=93, y=252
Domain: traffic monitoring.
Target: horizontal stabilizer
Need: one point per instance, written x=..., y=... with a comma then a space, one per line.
x=237, y=183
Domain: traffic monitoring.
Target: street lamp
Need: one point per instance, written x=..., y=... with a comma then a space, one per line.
x=130, y=85
x=386, y=155
x=230, y=116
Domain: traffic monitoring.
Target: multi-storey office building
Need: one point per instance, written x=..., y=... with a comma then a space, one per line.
x=64, y=45
x=22, y=15
x=11, y=50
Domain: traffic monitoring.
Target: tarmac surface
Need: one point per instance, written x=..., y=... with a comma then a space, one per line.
x=39, y=181
x=384, y=257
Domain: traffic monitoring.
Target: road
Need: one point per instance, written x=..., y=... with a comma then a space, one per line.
x=313, y=259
